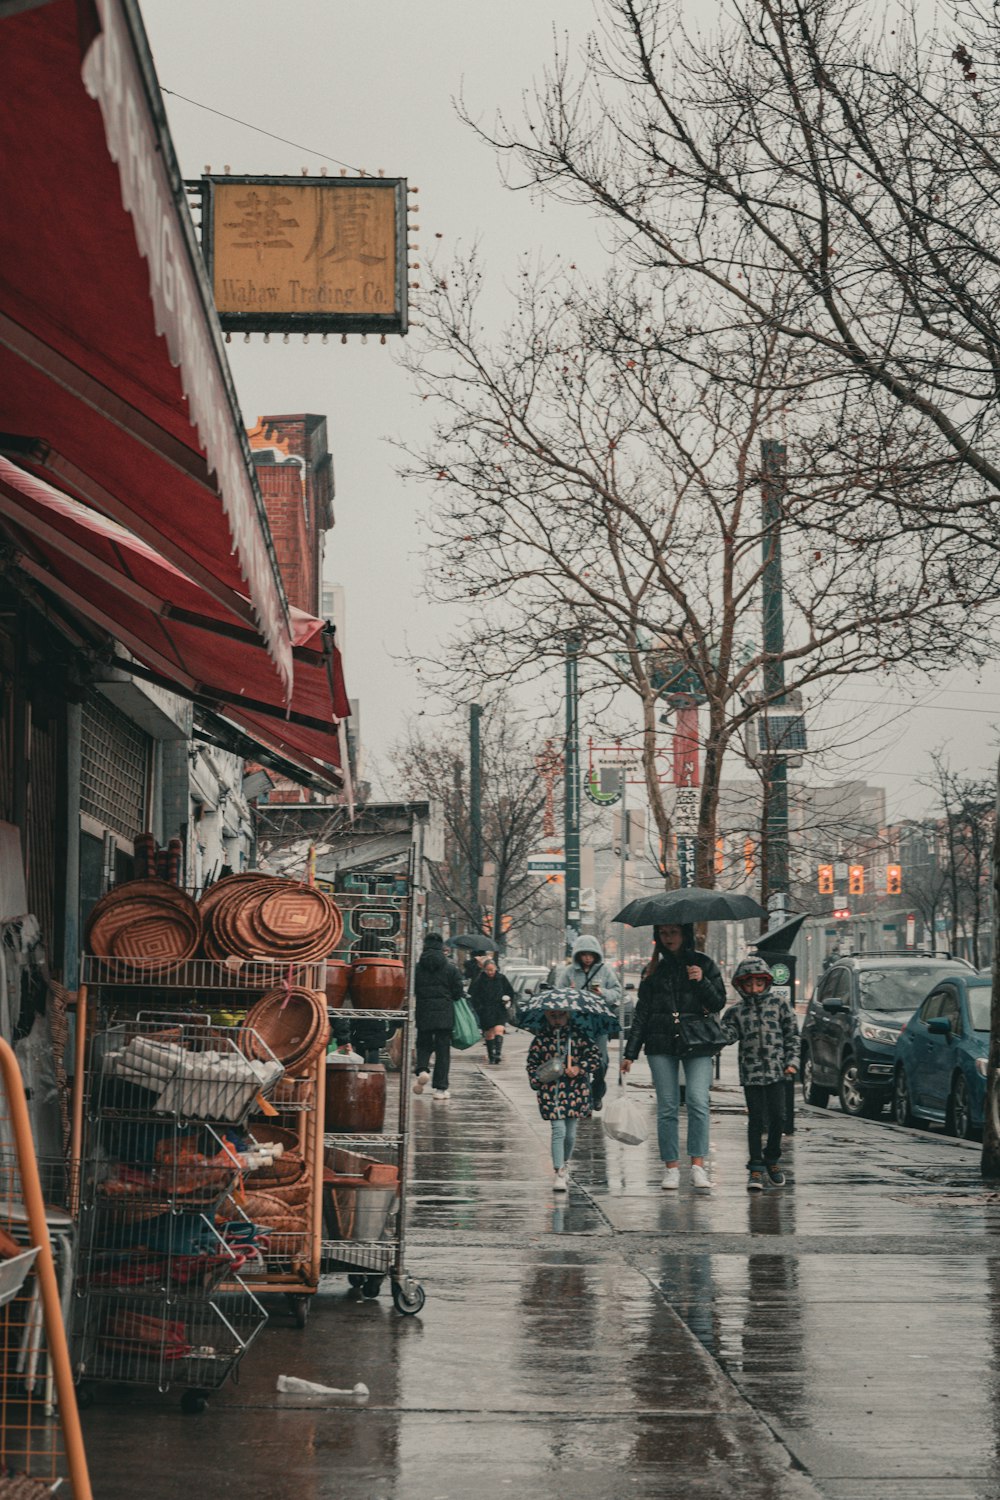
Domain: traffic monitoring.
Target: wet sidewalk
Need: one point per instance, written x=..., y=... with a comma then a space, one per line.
x=838, y=1338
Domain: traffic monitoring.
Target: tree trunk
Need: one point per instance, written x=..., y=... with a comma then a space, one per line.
x=991, y=1125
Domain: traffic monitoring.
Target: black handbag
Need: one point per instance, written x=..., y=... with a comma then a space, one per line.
x=698, y=1036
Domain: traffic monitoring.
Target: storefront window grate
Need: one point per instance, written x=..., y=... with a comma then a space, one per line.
x=115, y=769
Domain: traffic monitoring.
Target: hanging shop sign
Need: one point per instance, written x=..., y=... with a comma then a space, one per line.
x=306, y=254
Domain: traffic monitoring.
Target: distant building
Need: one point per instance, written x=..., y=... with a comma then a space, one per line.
x=295, y=474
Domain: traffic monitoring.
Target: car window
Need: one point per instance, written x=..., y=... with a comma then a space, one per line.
x=838, y=986
x=931, y=1006
x=896, y=989
x=949, y=1009
x=980, y=997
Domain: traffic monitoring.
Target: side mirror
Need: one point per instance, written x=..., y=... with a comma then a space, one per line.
x=835, y=1007
x=939, y=1025
x=630, y=987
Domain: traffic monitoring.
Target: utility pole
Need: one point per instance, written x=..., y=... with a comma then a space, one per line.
x=475, y=811
x=773, y=457
x=571, y=793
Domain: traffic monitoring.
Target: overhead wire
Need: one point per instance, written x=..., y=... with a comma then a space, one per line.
x=234, y=120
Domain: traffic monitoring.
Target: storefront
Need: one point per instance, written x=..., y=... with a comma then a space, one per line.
x=140, y=601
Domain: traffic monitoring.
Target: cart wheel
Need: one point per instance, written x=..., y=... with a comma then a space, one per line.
x=193, y=1403
x=409, y=1299
x=300, y=1310
x=371, y=1288
x=356, y=1281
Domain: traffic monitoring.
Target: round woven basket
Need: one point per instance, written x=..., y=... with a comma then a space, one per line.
x=267, y=1134
x=291, y=1023
x=148, y=922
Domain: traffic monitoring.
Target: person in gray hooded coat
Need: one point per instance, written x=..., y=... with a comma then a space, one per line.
x=588, y=971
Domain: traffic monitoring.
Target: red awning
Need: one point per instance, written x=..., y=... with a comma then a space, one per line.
x=97, y=261
x=181, y=635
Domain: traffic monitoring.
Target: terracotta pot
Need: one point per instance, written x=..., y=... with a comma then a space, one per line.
x=378, y=983
x=355, y=1097
x=338, y=981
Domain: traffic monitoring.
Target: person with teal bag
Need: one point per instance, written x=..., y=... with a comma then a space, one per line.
x=437, y=986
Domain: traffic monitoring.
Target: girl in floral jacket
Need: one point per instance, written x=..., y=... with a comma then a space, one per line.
x=566, y=1100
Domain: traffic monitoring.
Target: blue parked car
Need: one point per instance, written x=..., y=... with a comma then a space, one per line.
x=940, y=1073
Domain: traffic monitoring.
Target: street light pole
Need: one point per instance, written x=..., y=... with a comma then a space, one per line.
x=773, y=456
x=571, y=793
x=475, y=811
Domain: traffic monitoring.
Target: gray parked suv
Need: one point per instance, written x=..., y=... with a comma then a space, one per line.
x=857, y=1011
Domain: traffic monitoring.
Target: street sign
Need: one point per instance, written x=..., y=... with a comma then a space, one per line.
x=686, y=802
x=593, y=789
x=547, y=864
x=615, y=757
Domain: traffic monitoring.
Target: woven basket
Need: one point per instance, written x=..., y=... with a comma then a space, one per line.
x=295, y=1196
x=281, y=1173
x=267, y=1134
x=293, y=1024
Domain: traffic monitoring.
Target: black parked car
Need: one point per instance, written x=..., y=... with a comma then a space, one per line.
x=857, y=1011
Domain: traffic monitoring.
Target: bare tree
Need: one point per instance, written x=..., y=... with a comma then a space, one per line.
x=834, y=152
x=513, y=801
x=597, y=478
x=966, y=809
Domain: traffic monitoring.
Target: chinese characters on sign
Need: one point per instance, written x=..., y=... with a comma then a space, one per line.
x=307, y=254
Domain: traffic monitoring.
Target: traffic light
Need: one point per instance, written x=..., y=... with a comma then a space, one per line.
x=856, y=880
x=893, y=879
x=824, y=883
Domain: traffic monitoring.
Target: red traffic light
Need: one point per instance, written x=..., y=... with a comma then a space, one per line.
x=841, y=914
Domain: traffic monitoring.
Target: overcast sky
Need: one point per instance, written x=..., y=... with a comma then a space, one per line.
x=373, y=86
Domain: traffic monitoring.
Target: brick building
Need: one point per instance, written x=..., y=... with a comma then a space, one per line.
x=295, y=473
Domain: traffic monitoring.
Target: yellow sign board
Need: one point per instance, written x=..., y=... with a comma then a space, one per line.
x=311, y=254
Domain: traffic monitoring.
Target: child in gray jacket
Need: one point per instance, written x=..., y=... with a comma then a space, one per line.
x=764, y=1025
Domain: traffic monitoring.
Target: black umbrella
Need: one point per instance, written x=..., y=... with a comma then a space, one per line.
x=694, y=903
x=475, y=942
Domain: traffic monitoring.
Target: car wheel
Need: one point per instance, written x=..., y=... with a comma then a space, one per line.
x=901, y=1111
x=811, y=1093
x=958, y=1116
x=852, y=1100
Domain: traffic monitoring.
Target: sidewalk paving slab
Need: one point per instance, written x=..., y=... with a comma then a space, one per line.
x=838, y=1338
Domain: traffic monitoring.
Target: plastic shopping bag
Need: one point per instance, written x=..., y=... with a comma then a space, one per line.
x=465, y=1028
x=624, y=1120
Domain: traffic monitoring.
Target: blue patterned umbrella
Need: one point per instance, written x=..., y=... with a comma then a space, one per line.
x=575, y=1002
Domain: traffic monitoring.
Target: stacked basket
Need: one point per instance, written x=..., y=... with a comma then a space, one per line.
x=261, y=916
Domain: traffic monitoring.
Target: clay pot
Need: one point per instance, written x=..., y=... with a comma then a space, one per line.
x=338, y=981
x=355, y=1097
x=378, y=983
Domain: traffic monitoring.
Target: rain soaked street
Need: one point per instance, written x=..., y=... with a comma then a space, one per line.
x=837, y=1338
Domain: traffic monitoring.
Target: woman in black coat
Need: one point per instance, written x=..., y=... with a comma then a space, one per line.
x=437, y=984
x=488, y=994
x=679, y=981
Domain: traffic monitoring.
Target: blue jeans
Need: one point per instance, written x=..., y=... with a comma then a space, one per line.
x=563, y=1141
x=697, y=1081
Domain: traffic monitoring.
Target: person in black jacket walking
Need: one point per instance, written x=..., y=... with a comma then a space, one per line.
x=488, y=994
x=678, y=981
x=437, y=985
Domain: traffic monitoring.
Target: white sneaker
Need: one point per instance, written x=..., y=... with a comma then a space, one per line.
x=421, y=1081
x=561, y=1181
x=700, y=1180
x=671, y=1179
x=440, y=1094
